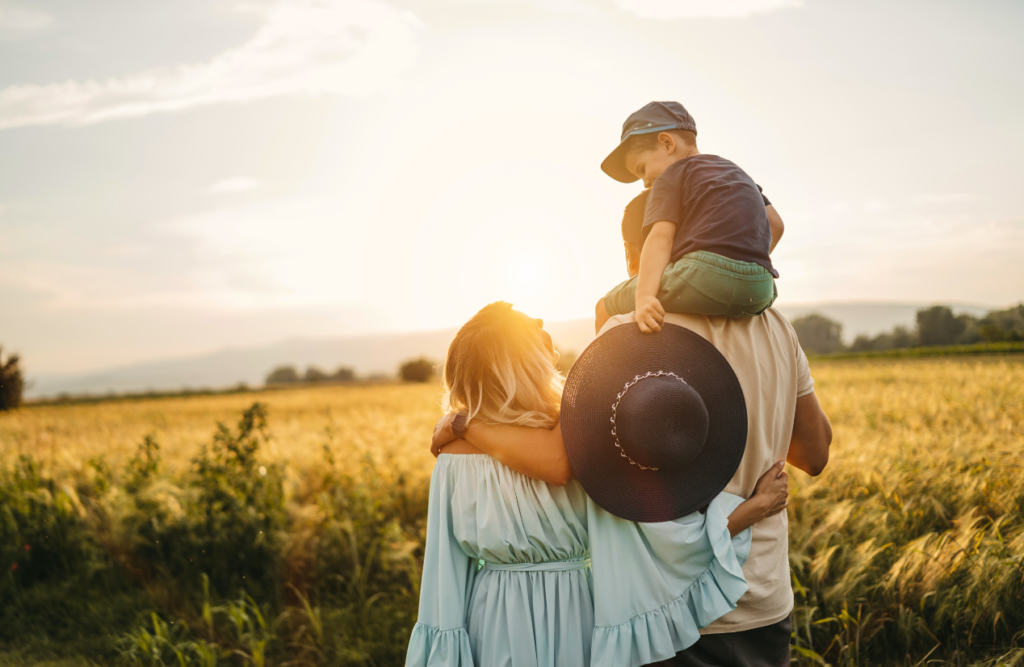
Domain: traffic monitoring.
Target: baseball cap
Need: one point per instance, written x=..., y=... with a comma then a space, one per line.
x=653, y=117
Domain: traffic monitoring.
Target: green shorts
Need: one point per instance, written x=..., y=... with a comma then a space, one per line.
x=704, y=283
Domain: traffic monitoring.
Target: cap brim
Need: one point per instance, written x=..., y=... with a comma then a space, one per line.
x=594, y=382
x=615, y=164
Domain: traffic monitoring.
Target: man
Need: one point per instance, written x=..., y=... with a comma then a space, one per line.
x=784, y=421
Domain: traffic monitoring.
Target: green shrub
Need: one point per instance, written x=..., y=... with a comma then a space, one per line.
x=416, y=370
x=227, y=524
x=12, y=384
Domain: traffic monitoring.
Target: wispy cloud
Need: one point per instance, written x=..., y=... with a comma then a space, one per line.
x=234, y=184
x=17, y=21
x=305, y=47
x=685, y=9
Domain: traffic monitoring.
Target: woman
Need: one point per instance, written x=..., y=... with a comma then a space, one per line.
x=507, y=574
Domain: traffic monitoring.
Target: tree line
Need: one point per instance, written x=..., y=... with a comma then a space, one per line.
x=421, y=369
x=413, y=370
x=935, y=326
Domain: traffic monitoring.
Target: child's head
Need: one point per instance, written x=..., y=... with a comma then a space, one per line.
x=501, y=370
x=649, y=155
x=653, y=137
x=633, y=231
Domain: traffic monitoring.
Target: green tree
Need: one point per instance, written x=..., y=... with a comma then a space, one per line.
x=314, y=374
x=939, y=326
x=12, y=384
x=417, y=370
x=344, y=374
x=819, y=334
x=283, y=375
x=899, y=338
x=1003, y=325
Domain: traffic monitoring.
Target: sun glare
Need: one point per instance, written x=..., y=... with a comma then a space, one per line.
x=527, y=275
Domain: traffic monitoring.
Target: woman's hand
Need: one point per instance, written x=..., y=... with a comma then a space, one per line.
x=771, y=496
x=442, y=433
x=772, y=491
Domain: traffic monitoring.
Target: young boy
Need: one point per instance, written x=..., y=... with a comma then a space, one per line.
x=707, y=230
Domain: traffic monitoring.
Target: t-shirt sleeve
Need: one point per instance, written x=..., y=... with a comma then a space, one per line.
x=804, y=381
x=664, y=202
x=766, y=202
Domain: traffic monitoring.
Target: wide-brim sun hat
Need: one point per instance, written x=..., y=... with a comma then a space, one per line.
x=655, y=425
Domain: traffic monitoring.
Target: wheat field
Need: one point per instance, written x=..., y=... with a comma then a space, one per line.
x=388, y=420
x=908, y=549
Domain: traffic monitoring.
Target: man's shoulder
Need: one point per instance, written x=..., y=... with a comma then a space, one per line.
x=768, y=325
x=769, y=321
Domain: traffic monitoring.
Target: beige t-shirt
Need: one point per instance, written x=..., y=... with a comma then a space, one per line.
x=772, y=369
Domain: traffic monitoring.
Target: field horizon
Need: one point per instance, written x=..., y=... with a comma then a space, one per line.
x=379, y=354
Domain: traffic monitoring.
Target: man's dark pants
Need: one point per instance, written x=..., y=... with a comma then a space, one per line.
x=759, y=647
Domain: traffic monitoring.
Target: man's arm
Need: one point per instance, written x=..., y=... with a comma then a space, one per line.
x=654, y=257
x=775, y=222
x=812, y=435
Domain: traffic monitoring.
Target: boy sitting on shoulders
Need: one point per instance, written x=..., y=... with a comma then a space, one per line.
x=707, y=230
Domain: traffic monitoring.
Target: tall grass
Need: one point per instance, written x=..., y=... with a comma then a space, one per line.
x=912, y=542
x=291, y=533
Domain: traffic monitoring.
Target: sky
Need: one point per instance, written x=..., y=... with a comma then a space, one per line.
x=179, y=177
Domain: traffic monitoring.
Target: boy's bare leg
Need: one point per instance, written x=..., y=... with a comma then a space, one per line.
x=600, y=315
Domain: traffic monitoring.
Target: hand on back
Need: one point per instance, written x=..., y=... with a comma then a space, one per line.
x=772, y=490
x=443, y=434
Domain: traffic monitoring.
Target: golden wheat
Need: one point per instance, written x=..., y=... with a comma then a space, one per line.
x=390, y=422
x=911, y=542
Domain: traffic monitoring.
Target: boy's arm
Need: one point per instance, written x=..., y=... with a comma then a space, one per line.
x=775, y=222
x=654, y=257
x=535, y=452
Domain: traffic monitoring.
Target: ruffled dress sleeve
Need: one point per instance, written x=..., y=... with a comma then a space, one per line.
x=657, y=584
x=439, y=638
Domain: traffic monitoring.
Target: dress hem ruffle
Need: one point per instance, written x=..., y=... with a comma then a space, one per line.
x=433, y=647
x=661, y=633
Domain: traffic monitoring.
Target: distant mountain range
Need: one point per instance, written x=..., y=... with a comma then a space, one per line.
x=381, y=354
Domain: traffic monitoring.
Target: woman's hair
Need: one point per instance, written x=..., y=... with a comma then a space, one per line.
x=501, y=370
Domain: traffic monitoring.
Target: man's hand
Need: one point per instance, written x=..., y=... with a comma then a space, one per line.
x=650, y=314
x=442, y=433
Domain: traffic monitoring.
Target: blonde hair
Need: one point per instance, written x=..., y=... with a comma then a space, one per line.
x=500, y=369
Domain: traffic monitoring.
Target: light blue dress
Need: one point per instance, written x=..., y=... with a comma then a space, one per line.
x=519, y=573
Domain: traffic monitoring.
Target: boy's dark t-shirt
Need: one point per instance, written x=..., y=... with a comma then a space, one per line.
x=715, y=206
